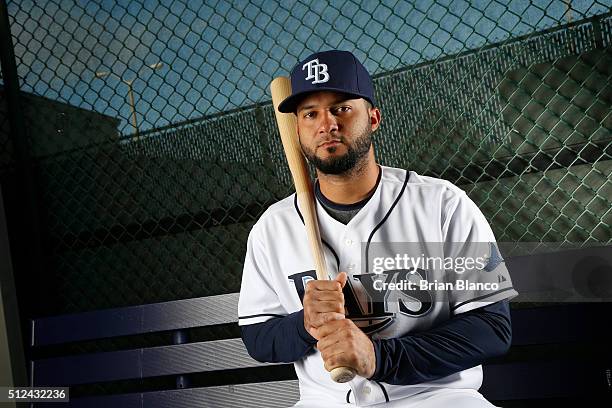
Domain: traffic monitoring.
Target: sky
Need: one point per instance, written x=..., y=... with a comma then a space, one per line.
x=221, y=55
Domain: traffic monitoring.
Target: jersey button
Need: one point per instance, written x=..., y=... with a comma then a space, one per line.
x=366, y=390
x=348, y=242
x=350, y=267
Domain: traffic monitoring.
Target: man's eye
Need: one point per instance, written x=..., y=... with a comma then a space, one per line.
x=309, y=115
x=343, y=109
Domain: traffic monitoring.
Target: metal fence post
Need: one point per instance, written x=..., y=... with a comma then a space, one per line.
x=12, y=367
x=23, y=195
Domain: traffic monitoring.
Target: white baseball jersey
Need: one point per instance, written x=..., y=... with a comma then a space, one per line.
x=430, y=213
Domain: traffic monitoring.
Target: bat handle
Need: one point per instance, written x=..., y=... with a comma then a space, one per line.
x=342, y=374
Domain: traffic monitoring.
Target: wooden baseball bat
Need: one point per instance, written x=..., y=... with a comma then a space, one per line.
x=281, y=89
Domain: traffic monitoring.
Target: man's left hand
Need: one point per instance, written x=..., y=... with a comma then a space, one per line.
x=343, y=344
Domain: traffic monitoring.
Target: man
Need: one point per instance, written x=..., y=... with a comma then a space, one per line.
x=410, y=345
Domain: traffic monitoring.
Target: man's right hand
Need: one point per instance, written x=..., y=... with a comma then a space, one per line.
x=323, y=302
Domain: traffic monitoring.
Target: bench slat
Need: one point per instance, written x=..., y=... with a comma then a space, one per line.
x=559, y=324
x=278, y=394
x=552, y=321
x=150, y=318
x=105, y=401
x=143, y=363
x=502, y=382
x=543, y=379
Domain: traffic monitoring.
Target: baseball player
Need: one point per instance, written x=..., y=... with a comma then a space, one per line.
x=402, y=307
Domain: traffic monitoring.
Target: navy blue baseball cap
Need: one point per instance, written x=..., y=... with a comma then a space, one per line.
x=333, y=70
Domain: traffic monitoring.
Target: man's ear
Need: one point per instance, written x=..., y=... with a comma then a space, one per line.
x=375, y=118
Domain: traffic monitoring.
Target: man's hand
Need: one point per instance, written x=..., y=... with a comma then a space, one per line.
x=323, y=303
x=343, y=344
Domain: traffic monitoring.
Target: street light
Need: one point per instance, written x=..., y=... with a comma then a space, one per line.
x=128, y=82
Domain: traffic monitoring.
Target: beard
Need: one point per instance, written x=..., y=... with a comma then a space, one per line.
x=347, y=163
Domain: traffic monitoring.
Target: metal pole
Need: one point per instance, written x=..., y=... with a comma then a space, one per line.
x=12, y=361
x=570, y=29
x=22, y=190
x=103, y=74
x=133, y=105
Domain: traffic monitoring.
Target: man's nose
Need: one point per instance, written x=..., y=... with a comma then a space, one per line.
x=328, y=123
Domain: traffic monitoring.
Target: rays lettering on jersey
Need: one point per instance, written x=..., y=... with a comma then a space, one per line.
x=371, y=309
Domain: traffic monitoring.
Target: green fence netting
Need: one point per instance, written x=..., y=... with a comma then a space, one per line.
x=153, y=145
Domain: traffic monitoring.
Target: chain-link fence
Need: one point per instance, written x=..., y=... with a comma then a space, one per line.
x=153, y=146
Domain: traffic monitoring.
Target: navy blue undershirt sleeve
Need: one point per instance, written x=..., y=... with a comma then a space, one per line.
x=278, y=340
x=464, y=341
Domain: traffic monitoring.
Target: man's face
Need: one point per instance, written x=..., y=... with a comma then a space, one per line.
x=335, y=132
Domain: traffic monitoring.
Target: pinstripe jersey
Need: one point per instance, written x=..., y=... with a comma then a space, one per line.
x=427, y=217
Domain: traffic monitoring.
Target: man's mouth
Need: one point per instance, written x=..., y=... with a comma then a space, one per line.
x=330, y=143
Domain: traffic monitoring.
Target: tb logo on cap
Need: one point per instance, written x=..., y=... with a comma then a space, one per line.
x=316, y=71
